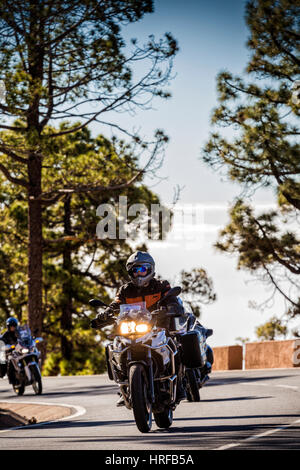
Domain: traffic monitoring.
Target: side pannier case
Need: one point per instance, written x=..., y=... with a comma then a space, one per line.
x=193, y=349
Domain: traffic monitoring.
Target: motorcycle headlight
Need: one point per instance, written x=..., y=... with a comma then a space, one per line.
x=25, y=351
x=142, y=328
x=129, y=328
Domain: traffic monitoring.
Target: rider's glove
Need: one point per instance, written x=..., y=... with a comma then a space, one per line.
x=95, y=323
x=107, y=314
x=102, y=318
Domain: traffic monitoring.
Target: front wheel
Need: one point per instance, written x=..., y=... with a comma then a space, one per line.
x=19, y=389
x=142, y=408
x=164, y=419
x=17, y=384
x=36, y=380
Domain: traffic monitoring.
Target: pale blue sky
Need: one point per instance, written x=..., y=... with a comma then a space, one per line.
x=211, y=36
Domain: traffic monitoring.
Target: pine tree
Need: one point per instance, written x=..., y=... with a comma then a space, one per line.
x=262, y=107
x=67, y=60
x=77, y=265
x=197, y=289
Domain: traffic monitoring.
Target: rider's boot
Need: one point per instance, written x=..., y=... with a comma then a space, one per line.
x=121, y=401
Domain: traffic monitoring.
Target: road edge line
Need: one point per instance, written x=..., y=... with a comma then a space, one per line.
x=258, y=436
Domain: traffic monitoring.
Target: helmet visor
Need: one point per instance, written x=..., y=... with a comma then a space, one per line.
x=141, y=270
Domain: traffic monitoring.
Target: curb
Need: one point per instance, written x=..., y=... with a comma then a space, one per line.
x=10, y=419
x=24, y=414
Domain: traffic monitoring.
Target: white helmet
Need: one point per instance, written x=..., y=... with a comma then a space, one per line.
x=140, y=267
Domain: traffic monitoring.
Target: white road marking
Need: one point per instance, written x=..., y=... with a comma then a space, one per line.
x=79, y=411
x=258, y=436
x=260, y=384
x=292, y=387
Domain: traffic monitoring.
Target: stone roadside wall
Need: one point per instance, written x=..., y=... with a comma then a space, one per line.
x=260, y=355
x=272, y=354
x=228, y=357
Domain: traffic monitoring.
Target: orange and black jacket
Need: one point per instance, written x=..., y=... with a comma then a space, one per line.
x=129, y=294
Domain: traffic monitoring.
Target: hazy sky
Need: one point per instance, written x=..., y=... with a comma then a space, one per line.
x=212, y=36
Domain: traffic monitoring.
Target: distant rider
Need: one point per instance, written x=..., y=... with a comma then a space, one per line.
x=10, y=337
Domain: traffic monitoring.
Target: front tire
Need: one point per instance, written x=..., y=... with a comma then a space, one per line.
x=164, y=419
x=17, y=385
x=19, y=389
x=142, y=408
x=36, y=380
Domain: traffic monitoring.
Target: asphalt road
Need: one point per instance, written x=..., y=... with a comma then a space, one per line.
x=238, y=410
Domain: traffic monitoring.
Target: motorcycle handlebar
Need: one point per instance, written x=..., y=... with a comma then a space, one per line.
x=174, y=314
x=166, y=313
x=157, y=312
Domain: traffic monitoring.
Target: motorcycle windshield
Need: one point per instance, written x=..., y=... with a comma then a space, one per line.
x=24, y=336
x=136, y=311
x=2, y=352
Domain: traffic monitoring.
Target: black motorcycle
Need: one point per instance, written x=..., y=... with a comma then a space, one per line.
x=24, y=362
x=143, y=360
x=196, y=374
x=196, y=356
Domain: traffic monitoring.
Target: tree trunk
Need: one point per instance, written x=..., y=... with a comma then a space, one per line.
x=67, y=307
x=35, y=247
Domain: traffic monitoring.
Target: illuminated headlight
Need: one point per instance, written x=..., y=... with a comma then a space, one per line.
x=129, y=328
x=142, y=328
x=25, y=350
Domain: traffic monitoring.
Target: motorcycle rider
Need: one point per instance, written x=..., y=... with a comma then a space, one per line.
x=143, y=287
x=10, y=337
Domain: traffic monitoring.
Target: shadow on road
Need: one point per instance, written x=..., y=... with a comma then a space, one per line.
x=174, y=429
x=235, y=380
x=74, y=391
x=234, y=399
x=183, y=437
x=90, y=390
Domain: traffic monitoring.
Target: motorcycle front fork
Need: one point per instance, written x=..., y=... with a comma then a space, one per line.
x=151, y=377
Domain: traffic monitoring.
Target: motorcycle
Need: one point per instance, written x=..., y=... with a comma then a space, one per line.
x=143, y=360
x=196, y=355
x=196, y=376
x=24, y=362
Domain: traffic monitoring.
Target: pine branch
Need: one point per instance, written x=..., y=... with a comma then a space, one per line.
x=12, y=179
x=13, y=155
